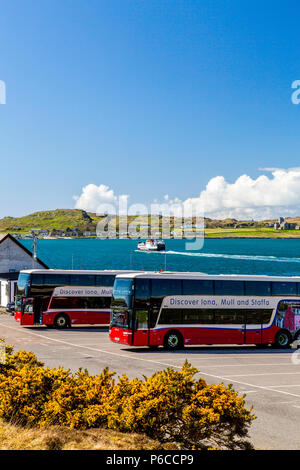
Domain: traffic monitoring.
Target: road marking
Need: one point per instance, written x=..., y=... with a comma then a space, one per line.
x=266, y=373
x=227, y=379
x=251, y=364
x=280, y=386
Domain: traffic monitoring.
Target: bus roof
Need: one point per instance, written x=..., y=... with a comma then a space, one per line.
x=199, y=276
x=75, y=271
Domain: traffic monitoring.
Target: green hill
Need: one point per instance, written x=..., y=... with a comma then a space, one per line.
x=62, y=219
x=59, y=219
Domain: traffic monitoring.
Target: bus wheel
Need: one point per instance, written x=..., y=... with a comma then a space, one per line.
x=283, y=339
x=61, y=321
x=173, y=340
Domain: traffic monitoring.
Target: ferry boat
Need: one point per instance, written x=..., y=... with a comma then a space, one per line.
x=152, y=245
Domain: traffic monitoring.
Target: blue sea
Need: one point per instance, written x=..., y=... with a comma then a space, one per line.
x=217, y=256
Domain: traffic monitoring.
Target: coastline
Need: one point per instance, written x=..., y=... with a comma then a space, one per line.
x=214, y=237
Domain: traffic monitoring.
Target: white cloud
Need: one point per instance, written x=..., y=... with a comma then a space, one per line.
x=99, y=199
x=247, y=198
x=266, y=197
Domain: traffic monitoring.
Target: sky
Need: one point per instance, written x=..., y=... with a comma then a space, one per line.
x=178, y=101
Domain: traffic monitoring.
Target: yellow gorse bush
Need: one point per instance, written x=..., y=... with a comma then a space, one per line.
x=168, y=406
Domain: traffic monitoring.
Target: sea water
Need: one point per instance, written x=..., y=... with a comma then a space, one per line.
x=218, y=256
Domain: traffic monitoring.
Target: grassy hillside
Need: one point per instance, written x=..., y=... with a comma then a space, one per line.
x=59, y=219
x=64, y=218
x=72, y=218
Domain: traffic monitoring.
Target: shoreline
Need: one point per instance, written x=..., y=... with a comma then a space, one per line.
x=221, y=237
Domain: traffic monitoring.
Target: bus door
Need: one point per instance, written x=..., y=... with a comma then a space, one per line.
x=27, y=312
x=253, y=327
x=31, y=311
x=141, y=327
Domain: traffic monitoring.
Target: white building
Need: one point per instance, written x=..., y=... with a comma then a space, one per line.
x=13, y=258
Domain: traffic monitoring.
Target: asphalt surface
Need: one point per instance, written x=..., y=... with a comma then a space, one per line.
x=270, y=378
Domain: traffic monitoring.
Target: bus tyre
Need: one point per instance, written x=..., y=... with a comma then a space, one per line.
x=173, y=340
x=61, y=321
x=283, y=339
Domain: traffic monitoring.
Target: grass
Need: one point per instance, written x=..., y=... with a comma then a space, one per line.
x=250, y=233
x=59, y=438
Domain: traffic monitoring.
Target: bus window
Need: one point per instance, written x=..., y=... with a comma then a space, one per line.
x=37, y=279
x=266, y=316
x=105, y=280
x=120, y=318
x=284, y=288
x=142, y=288
x=229, y=317
x=254, y=317
x=53, y=279
x=66, y=303
x=142, y=293
x=192, y=316
x=82, y=280
x=28, y=306
x=195, y=287
x=170, y=316
x=229, y=288
x=258, y=288
x=164, y=287
x=93, y=303
x=142, y=318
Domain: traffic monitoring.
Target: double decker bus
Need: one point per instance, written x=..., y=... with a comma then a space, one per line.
x=62, y=298
x=178, y=309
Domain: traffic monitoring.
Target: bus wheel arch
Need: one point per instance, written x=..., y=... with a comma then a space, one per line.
x=283, y=339
x=62, y=320
x=173, y=340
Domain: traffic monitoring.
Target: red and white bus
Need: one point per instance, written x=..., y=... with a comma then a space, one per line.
x=78, y=306
x=178, y=309
x=62, y=298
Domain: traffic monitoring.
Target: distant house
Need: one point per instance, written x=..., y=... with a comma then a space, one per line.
x=77, y=233
x=13, y=258
x=39, y=231
x=90, y=234
x=56, y=232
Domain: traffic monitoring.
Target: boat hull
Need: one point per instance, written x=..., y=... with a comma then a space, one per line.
x=159, y=247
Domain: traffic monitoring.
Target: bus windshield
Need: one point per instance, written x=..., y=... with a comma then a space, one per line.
x=122, y=293
x=23, y=284
x=121, y=318
x=121, y=311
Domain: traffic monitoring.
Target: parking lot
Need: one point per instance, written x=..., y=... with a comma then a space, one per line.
x=270, y=378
